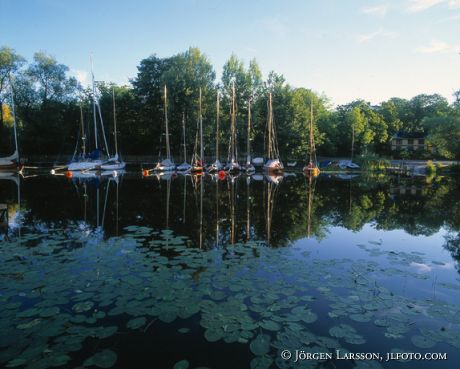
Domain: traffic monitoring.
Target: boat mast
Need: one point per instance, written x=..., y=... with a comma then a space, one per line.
x=94, y=104
x=248, y=159
x=183, y=135
x=83, y=137
x=168, y=151
x=311, y=133
x=270, y=116
x=201, y=133
x=217, y=129
x=233, y=137
x=115, y=123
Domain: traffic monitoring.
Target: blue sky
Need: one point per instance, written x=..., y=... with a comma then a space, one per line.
x=345, y=49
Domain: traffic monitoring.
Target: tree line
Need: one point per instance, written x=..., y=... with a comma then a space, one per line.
x=48, y=99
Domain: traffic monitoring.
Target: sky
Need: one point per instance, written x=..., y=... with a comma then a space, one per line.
x=346, y=50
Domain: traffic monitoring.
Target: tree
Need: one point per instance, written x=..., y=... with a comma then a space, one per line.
x=51, y=78
x=10, y=62
x=444, y=135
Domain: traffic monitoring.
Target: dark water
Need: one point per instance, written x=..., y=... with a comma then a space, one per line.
x=134, y=272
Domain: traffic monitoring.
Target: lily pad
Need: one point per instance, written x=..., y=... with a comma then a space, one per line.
x=103, y=359
x=183, y=364
x=422, y=342
x=136, y=323
x=260, y=345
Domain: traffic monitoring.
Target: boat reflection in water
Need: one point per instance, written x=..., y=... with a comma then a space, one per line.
x=10, y=203
x=98, y=199
x=213, y=211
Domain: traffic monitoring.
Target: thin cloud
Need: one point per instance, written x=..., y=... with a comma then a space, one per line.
x=380, y=33
x=378, y=10
x=449, y=19
x=275, y=25
x=437, y=46
x=415, y=6
x=454, y=4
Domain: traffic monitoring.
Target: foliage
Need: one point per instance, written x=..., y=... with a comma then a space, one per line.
x=371, y=161
x=430, y=167
x=48, y=100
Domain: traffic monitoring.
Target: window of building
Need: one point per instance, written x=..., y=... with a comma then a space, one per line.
x=410, y=141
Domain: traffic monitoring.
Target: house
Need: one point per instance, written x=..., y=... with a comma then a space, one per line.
x=409, y=141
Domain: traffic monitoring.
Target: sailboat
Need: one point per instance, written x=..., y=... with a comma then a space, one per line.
x=273, y=163
x=11, y=163
x=167, y=164
x=217, y=165
x=311, y=169
x=184, y=167
x=197, y=159
x=83, y=161
x=248, y=167
x=114, y=162
x=233, y=166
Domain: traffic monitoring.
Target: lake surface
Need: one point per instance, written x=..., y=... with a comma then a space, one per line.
x=197, y=272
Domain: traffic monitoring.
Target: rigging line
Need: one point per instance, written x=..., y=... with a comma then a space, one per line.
x=103, y=129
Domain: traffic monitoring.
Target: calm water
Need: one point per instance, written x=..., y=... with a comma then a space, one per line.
x=190, y=272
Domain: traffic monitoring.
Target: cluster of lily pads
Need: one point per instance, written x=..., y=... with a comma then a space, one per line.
x=63, y=288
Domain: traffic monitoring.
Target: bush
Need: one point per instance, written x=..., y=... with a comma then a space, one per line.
x=430, y=167
x=372, y=161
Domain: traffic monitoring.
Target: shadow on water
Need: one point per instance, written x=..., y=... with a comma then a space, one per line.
x=226, y=273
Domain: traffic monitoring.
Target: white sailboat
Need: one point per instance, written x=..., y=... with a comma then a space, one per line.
x=11, y=163
x=114, y=162
x=233, y=166
x=198, y=159
x=248, y=167
x=217, y=165
x=273, y=162
x=167, y=164
x=185, y=167
x=92, y=161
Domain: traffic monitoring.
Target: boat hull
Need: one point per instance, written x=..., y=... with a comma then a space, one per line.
x=184, y=168
x=215, y=167
x=84, y=165
x=274, y=165
x=10, y=167
x=113, y=166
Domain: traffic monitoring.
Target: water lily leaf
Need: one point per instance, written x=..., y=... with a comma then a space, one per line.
x=422, y=342
x=49, y=312
x=29, y=313
x=59, y=360
x=260, y=345
x=104, y=359
x=136, y=323
x=213, y=335
x=16, y=362
x=270, y=325
x=30, y=324
x=83, y=306
x=261, y=362
x=183, y=364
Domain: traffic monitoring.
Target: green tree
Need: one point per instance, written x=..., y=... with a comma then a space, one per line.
x=10, y=62
x=51, y=79
x=444, y=135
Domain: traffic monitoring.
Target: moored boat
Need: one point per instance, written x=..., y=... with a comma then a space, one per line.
x=273, y=163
